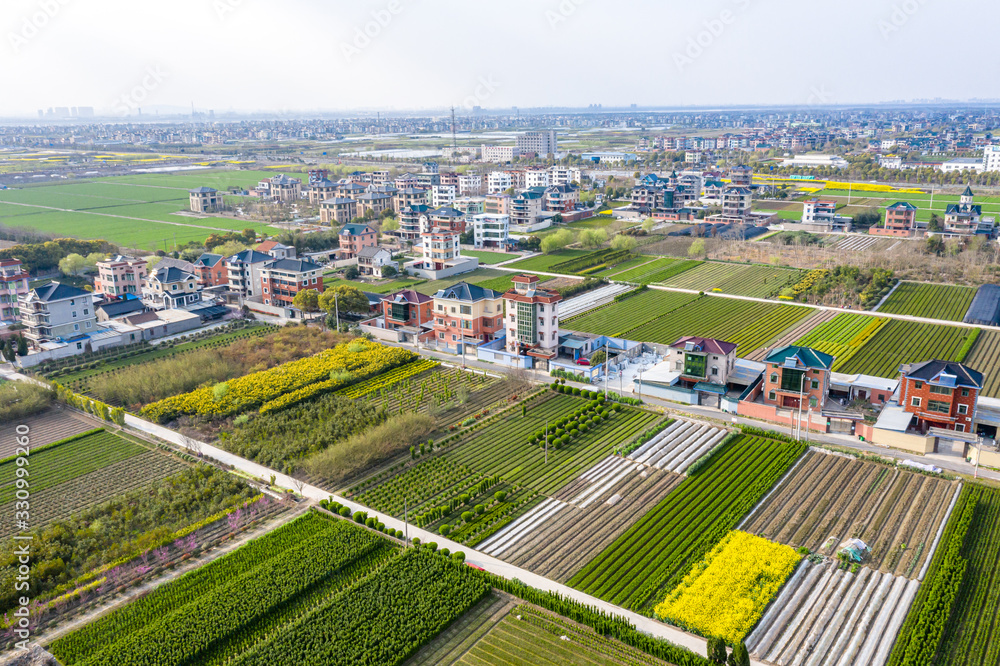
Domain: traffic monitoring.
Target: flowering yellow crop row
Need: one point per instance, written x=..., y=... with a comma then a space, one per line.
x=727, y=592
x=326, y=371
x=870, y=187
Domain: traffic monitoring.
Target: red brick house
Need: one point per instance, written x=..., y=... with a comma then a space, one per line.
x=941, y=394
x=900, y=220
x=796, y=373
x=353, y=237
x=408, y=308
x=281, y=279
x=211, y=270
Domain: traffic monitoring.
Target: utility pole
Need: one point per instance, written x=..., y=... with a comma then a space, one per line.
x=336, y=309
x=979, y=454
x=607, y=368
x=802, y=384
x=546, y=441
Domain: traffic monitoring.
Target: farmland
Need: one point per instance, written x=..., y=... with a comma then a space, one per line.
x=490, y=278
x=45, y=427
x=658, y=270
x=828, y=499
x=958, y=602
x=740, y=279
x=486, y=257
x=629, y=313
x=526, y=635
x=110, y=208
x=544, y=262
x=934, y=301
x=747, y=324
x=652, y=556
x=726, y=593
x=831, y=616
x=900, y=341
x=985, y=357
x=792, y=333
x=843, y=335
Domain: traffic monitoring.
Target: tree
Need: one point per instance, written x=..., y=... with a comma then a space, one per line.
x=624, y=243
x=306, y=300
x=389, y=271
x=390, y=224
x=351, y=273
x=697, y=248
x=557, y=218
x=345, y=298
x=22, y=346
x=648, y=224
x=593, y=238
x=934, y=245
x=191, y=254
x=934, y=224
x=740, y=656
x=72, y=264
x=557, y=240
x=7, y=347
x=717, y=650
x=229, y=248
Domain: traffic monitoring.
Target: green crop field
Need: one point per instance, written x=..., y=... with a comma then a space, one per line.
x=380, y=288
x=934, y=301
x=623, y=266
x=842, y=336
x=955, y=617
x=486, y=258
x=544, y=262
x=485, y=277
x=747, y=324
x=659, y=270
x=630, y=313
x=142, y=211
x=985, y=357
x=900, y=341
x=740, y=279
x=653, y=555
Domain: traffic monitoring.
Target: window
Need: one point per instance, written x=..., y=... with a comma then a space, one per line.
x=938, y=406
x=88, y=324
x=940, y=390
x=774, y=377
x=441, y=336
x=466, y=309
x=960, y=427
x=813, y=401
x=965, y=393
x=440, y=307
x=815, y=384
x=86, y=311
x=74, y=313
x=963, y=409
x=772, y=396
x=915, y=402
x=715, y=370
x=454, y=337
x=79, y=345
x=791, y=380
x=453, y=309
x=918, y=384
x=76, y=327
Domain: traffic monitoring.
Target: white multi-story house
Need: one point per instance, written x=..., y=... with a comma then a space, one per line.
x=498, y=182
x=13, y=285
x=443, y=195
x=57, y=312
x=243, y=269
x=536, y=178
x=531, y=319
x=171, y=288
x=498, y=153
x=491, y=230
x=470, y=184
x=991, y=158
x=561, y=175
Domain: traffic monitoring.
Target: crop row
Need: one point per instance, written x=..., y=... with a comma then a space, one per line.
x=657, y=270
x=843, y=335
x=747, y=324
x=900, y=341
x=629, y=313
x=608, y=256
x=229, y=609
x=382, y=619
x=57, y=464
x=654, y=554
x=740, y=279
x=387, y=379
x=935, y=301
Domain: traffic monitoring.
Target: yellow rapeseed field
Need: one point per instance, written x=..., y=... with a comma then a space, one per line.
x=727, y=592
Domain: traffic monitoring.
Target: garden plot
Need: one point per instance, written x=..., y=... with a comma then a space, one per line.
x=830, y=498
x=677, y=446
x=827, y=616
x=49, y=426
x=591, y=299
x=791, y=334
x=857, y=243
x=558, y=537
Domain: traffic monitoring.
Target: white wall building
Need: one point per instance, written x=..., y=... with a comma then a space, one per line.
x=471, y=183
x=498, y=182
x=536, y=178
x=443, y=195
x=991, y=158
x=491, y=230
x=542, y=143
x=561, y=175
x=498, y=153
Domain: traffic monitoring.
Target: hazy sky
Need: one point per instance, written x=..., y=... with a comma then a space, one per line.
x=305, y=55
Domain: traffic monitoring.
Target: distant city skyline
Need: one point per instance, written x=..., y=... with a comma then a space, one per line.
x=307, y=56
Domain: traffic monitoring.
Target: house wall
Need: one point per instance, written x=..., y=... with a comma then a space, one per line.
x=789, y=417
x=905, y=441
x=908, y=392
x=819, y=393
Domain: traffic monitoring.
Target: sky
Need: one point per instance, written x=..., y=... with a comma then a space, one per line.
x=395, y=55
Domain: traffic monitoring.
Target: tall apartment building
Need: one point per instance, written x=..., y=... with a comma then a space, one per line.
x=561, y=175
x=498, y=182
x=443, y=195
x=991, y=158
x=337, y=210
x=243, y=269
x=531, y=319
x=120, y=275
x=470, y=184
x=13, y=285
x=526, y=208
x=540, y=143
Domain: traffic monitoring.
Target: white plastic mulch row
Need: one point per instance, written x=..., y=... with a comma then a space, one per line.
x=521, y=527
x=602, y=483
x=679, y=445
x=857, y=243
x=825, y=616
x=591, y=299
